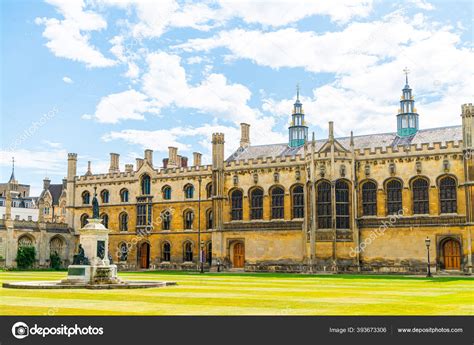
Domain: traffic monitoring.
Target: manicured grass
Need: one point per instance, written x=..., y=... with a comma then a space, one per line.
x=247, y=294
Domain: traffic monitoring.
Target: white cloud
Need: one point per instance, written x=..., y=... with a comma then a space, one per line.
x=68, y=80
x=126, y=105
x=69, y=38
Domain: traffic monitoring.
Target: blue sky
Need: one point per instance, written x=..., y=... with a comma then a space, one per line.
x=101, y=76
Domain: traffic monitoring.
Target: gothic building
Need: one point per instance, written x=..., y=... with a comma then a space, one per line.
x=358, y=203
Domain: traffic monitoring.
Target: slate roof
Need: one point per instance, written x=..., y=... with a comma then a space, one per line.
x=424, y=136
x=55, y=190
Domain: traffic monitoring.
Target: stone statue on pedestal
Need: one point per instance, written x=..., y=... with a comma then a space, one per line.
x=95, y=205
x=80, y=258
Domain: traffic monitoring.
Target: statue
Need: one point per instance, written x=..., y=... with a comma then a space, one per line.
x=95, y=205
x=80, y=258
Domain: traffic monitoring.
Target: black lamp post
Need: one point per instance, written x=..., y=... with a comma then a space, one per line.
x=201, y=256
x=428, y=242
x=199, y=226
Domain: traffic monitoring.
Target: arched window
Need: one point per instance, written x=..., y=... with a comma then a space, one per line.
x=209, y=253
x=84, y=219
x=256, y=203
x=342, y=205
x=166, y=252
x=189, y=191
x=209, y=190
x=421, y=204
x=123, y=218
x=56, y=246
x=146, y=184
x=188, y=252
x=188, y=219
x=166, y=192
x=86, y=198
x=104, y=195
x=297, y=197
x=25, y=241
x=123, y=252
x=209, y=219
x=448, y=195
x=124, y=195
x=166, y=220
x=324, y=205
x=278, y=203
x=394, y=197
x=369, y=199
x=236, y=205
x=105, y=220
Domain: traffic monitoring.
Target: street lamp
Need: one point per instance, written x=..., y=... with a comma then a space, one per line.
x=428, y=242
x=199, y=226
x=201, y=256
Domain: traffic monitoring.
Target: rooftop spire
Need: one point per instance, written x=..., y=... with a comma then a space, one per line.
x=12, y=177
x=297, y=92
x=406, y=71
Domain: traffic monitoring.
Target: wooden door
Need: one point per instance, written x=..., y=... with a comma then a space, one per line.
x=144, y=255
x=239, y=255
x=452, y=255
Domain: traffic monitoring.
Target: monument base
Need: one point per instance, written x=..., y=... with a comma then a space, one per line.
x=91, y=274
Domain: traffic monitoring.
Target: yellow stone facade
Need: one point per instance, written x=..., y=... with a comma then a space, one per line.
x=380, y=242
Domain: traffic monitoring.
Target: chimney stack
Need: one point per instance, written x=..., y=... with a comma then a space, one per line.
x=331, y=131
x=149, y=157
x=114, y=163
x=197, y=158
x=172, y=157
x=46, y=183
x=244, y=135
x=128, y=167
x=139, y=163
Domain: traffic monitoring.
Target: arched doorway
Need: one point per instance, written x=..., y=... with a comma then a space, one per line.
x=452, y=255
x=144, y=255
x=239, y=255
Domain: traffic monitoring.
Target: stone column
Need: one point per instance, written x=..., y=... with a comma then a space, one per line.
x=71, y=186
x=468, y=158
x=218, y=197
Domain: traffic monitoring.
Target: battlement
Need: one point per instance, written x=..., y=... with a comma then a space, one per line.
x=407, y=149
x=467, y=108
x=265, y=161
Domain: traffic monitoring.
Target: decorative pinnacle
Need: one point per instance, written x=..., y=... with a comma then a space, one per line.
x=406, y=71
x=297, y=91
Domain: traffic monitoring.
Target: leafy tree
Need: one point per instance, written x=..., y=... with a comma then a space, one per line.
x=55, y=261
x=25, y=257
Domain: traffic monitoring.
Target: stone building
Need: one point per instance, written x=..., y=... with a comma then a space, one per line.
x=357, y=203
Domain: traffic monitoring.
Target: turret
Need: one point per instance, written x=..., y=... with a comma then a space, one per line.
x=467, y=126
x=298, y=131
x=407, y=118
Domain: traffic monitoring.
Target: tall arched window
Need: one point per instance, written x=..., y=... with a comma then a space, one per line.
x=369, y=199
x=166, y=220
x=188, y=252
x=297, y=197
x=394, y=197
x=448, y=195
x=166, y=192
x=123, y=218
x=105, y=220
x=236, y=204
x=124, y=195
x=25, y=241
x=256, y=203
x=209, y=253
x=188, y=219
x=342, y=205
x=324, y=205
x=209, y=219
x=209, y=190
x=146, y=185
x=104, y=195
x=123, y=252
x=166, y=252
x=86, y=198
x=189, y=191
x=278, y=203
x=84, y=219
x=421, y=204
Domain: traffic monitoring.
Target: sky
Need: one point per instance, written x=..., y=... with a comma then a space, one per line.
x=100, y=76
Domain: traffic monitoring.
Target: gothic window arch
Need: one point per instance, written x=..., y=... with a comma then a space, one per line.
x=236, y=204
x=209, y=253
x=166, y=252
x=56, y=246
x=209, y=219
x=369, y=199
x=166, y=220
x=324, y=207
x=84, y=219
x=145, y=184
x=123, y=221
x=124, y=195
x=86, y=198
x=448, y=195
x=421, y=202
x=189, y=191
x=394, y=197
x=123, y=252
x=209, y=190
x=256, y=203
x=297, y=198
x=277, y=203
x=342, y=205
x=188, y=252
x=188, y=219
x=25, y=241
x=105, y=195
x=166, y=192
x=105, y=220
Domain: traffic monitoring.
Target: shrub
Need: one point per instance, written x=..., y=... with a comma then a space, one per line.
x=55, y=261
x=25, y=257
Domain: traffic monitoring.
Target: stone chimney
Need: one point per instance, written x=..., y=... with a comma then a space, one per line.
x=172, y=157
x=244, y=135
x=64, y=183
x=197, y=159
x=149, y=157
x=128, y=167
x=114, y=163
x=139, y=163
x=331, y=131
x=46, y=183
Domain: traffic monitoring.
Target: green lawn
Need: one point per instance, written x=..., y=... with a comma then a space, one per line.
x=247, y=294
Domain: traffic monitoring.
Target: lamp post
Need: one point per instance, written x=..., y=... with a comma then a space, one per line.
x=199, y=226
x=201, y=256
x=428, y=242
